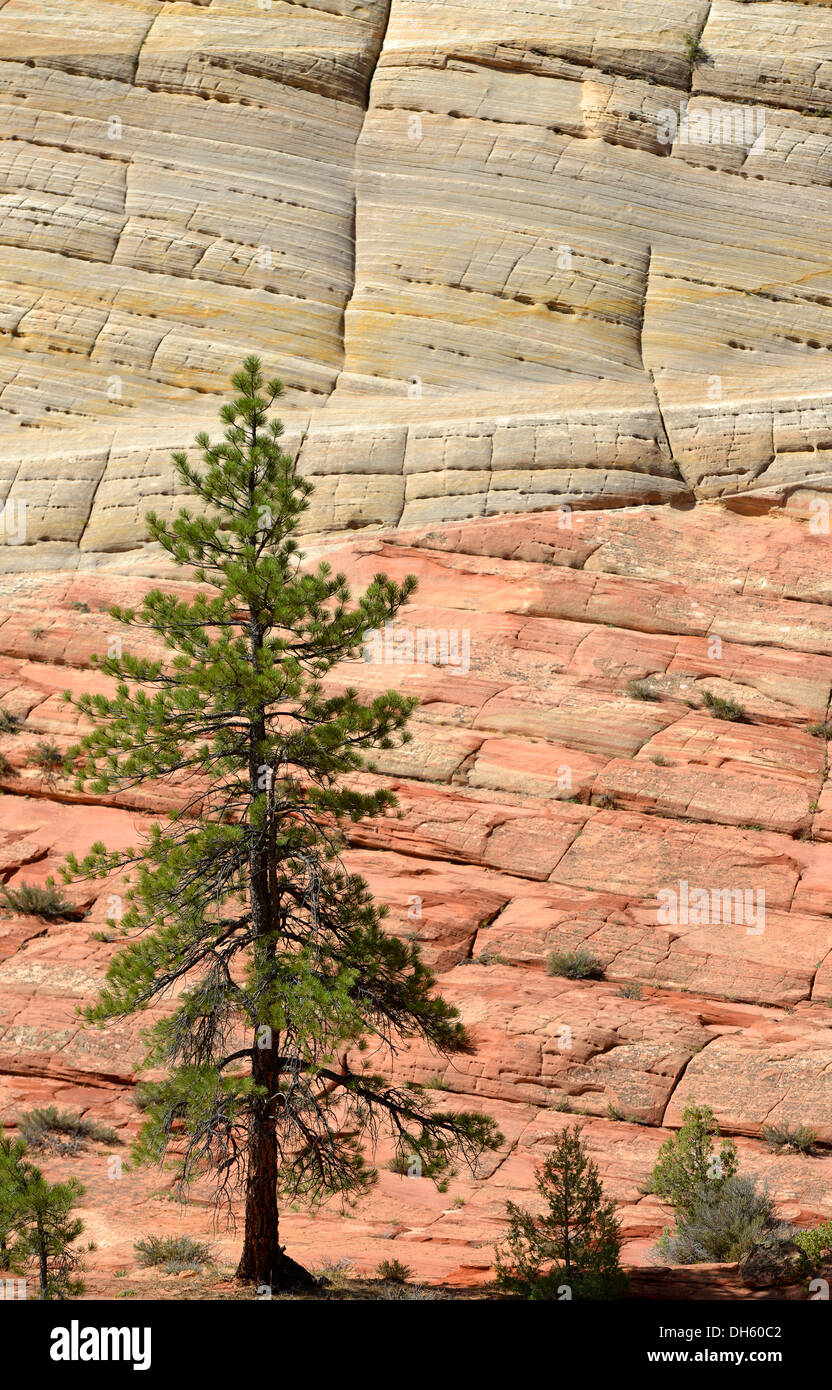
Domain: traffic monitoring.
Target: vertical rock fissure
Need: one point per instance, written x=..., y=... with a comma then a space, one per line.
x=377, y=49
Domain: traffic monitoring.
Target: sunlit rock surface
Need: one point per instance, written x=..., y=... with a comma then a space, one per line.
x=565, y=776
x=504, y=257
x=549, y=288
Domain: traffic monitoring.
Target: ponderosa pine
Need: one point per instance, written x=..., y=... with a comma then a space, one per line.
x=240, y=906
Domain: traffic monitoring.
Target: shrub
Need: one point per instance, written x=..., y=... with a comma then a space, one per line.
x=820, y=730
x=40, y=1125
x=338, y=1273
x=575, y=965
x=640, y=690
x=47, y=756
x=576, y=1244
x=686, y=1164
x=9, y=723
x=784, y=1139
x=693, y=49
x=631, y=991
x=31, y=900
x=722, y=709
x=406, y=1165
x=393, y=1272
x=5, y=765
x=721, y=1224
x=399, y=1291
x=816, y=1243
x=172, y=1253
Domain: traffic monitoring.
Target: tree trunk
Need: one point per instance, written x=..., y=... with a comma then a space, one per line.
x=43, y=1269
x=263, y=1260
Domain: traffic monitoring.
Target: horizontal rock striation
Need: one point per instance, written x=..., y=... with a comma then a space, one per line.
x=505, y=259
x=567, y=787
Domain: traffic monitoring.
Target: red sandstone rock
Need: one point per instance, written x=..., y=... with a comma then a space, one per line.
x=498, y=859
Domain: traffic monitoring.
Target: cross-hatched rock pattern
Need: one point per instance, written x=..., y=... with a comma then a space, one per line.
x=504, y=257
x=566, y=774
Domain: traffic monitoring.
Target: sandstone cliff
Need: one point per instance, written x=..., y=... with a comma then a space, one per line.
x=504, y=256
x=507, y=258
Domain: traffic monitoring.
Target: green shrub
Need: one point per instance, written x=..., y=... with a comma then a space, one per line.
x=172, y=1253
x=693, y=49
x=721, y=1224
x=40, y=1125
x=640, y=690
x=9, y=723
x=820, y=730
x=722, y=709
x=687, y=1165
x=393, y=1272
x=400, y=1292
x=784, y=1139
x=337, y=1273
x=32, y=900
x=404, y=1164
x=631, y=991
x=816, y=1243
x=47, y=756
x=575, y=1245
x=574, y=965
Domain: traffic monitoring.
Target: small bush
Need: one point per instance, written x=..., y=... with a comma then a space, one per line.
x=640, y=690
x=575, y=965
x=337, y=1273
x=631, y=991
x=393, y=1272
x=47, y=756
x=415, y=1292
x=5, y=765
x=403, y=1164
x=31, y=900
x=172, y=1253
x=784, y=1139
x=820, y=730
x=38, y=1127
x=722, y=1224
x=723, y=709
x=693, y=49
x=816, y=1244
x=9, y=723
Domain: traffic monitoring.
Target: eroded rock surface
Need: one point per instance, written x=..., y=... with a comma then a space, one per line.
x=565, y=776
x=504, y=257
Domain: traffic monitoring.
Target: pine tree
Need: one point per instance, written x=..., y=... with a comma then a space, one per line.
x=687, y=1169
x=283, y=971
x=571, y=1251
x=11, y=1188
x=37, y=1225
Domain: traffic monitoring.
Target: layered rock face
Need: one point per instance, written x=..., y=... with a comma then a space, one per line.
x=503, y=256
x=567, y=787
x=549, y=288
